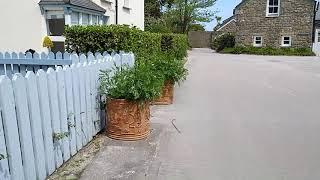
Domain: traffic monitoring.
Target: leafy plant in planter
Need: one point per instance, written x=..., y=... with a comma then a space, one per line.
x=129, y=91
x=173, y=71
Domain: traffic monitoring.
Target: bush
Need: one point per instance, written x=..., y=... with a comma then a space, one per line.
x=170, y=68
x=223, y=41
x=269, y=51
x=136, y=84
x=83, y=39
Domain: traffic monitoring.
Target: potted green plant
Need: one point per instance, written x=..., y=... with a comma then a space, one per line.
x=173, y=71
x=129, y=92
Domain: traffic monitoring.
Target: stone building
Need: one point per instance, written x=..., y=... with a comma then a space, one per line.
x=227, y=26
x=275, y=23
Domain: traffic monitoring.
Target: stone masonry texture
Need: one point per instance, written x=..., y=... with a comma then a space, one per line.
x=230, y=27
x=295, y=20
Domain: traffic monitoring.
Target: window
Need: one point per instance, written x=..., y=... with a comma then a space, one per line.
x=56, y=27
x=286, y=41
x=85, y=19
x=55, y=23
x=126, y=4
x=74, y=18
x=257, y=41
x=94, y=19
x=273, y=8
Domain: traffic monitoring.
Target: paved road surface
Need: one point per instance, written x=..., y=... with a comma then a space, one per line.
x=241, y=118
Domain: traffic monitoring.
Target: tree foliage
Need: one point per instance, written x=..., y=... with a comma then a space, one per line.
x=179, y=15
x=183, y=13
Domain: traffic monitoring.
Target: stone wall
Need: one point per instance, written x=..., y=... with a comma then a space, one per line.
x=295, y=20
x=200, y=39
x=229, y=27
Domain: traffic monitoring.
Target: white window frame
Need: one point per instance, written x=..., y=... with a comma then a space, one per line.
x=90, y=16
x=255, y=44
x=87, y=16
x=286, y=45
x=126, y=4
x=78, y=16
x=273, y=14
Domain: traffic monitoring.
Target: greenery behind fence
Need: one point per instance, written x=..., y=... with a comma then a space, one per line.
x=82, y=39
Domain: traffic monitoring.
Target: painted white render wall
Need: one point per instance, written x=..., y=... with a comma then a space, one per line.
x=133, y=16
x=22, y=26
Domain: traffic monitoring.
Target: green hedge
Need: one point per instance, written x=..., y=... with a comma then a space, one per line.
x=223, y=41
x=269, y=51
x=83, y=39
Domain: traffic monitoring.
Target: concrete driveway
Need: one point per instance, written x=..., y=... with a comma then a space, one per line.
x=239, y=117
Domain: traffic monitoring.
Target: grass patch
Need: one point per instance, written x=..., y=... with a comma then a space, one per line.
x=269, y=51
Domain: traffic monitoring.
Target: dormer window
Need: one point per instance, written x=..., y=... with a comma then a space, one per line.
x=273, y=8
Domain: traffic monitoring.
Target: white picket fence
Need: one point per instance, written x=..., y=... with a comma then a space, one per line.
x=48, y=116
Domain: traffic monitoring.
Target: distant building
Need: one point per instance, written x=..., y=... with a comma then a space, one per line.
x=227, y=26
x=26, y=23
x=275, y=23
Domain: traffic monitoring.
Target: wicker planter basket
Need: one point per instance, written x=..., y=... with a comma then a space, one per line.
x=127, y=120
x=167, y=94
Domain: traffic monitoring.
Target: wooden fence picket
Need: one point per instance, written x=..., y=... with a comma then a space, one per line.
x=9, y=73
x=70, y=110
x=36, y=67
x=77, y=108
x=2, y=70
x=55, y=116
x=23, y=68
x=22, y=111
x=10, y=127
x=4, y=171
x=95, y=100
x=36, y=124
x=45, y=113
x=63, y=113
x=15, y=67
x=88, y=101
x=82, y=90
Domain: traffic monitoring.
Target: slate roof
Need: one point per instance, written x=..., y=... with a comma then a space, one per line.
x=79, y=3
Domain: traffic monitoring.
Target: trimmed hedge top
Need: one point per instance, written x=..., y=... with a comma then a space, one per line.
x=83, y=39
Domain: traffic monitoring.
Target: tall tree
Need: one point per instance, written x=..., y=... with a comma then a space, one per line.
x=183, y=13
x=153, y=8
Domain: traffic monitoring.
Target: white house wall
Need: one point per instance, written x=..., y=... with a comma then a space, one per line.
x=134, y=16
x=22, y=26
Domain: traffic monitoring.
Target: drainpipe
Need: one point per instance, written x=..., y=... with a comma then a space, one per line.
x=116, y=11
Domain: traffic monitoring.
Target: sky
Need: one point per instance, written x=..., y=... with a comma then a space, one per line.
x=225, y=10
